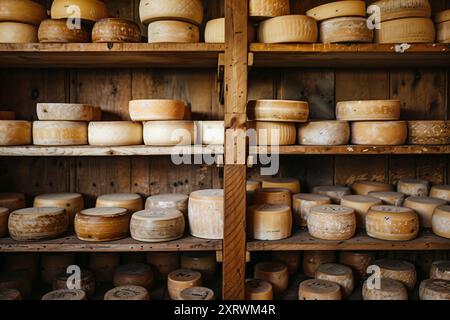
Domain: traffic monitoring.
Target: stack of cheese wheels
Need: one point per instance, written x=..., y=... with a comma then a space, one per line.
x=293, y=185
x=130, y=201
x=7, y=115
x=425, y=207
x=290, y=258
x=113, y=30
x=128, y=292
x=271, y=133
x=278, y=110
x=442, y=20
x=102, y=224
x=314, y=259
x=257, y=289
x=172, y=20
x=364, y=187
x=331, y=222
x=163, y=263
x=317, y=289
x=156, y=110
x=405, y=21
x=440, y=221
x=197, y=293
x=337, y=273
x=103, y=265
x=89, y=10
x=181, y=279
x=428, y=132
x=203, y=262
x=434, y=289
x=12, y=201
x=53, y=264
x=264, y=9
x=137, y=274
x=288, y=29
x=275, y=196
x=440, y=192
x=270, y=222
x=61, y=31
x=15, y=132
x=27, y=263
x=413, y=187
x=368, y=110
x=440, y=270
x=65, y=294
x=114, y=133
x=359, y=261
x=211, y=132
x=206, y=213
x=68, y=111
x=335, y=193
x=71, y=202
x=361, y=205
x=390, y=198
x=302, y=204
x=387, y=289
x=10, y=294
x=324, y=133
x=168, y=201
x=157, y=225
x=87, y=282
x=399, y=270
x=4, y=215
x=169, y=133
x=392, y=223
x=274, y=272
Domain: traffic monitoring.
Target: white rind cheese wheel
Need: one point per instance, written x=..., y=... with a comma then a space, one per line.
x=293, y=185
x=440, y=192
x=10, y=294
x=389, y=290
x=379, y=133
x=440, y=270
x=313, y=259
x=57, y=31
x=181, y=279
x=443, y=32
x=278, y=110
x=390, y=198
x=288, y=29
x=317, y=289
x=434, y=289
x=428, y=132
x=324, y=133
x=270, y=222
x=16, y=32
x=115, y=30
x=103, y=265
x=206, y=213
x=15, y=132
x=334, y=192
x=68, y=112
x=408, y=30
x=424, y=206
x=215, y=31
x=71, y=202
x=274, y=272
x=337, y=273
x=173, y=32
x=257, y=289
x=163, y=263
x=396, y=9
x=361, y=205
x=364, y=110
x=338, y=9
x=440, y=222
x=331, y=222
x=115, y=133
x=90, y=10
x=65, y=294
x=53, y=264
x=130, y=201
x=345, y=29
x=168, y=201
x=413, y=187
x=12, y=201
x=302, y=204
x=25, y=11
x=156, y=109
x=280, y=196
x=290, y=258
x=203, y=262
x=7, y=115
x=169, y=133
x=211, y=132
x=184, y=10
x=129, y=292
x=60, y=133
x=157, y=225
x=272, y=133
x=4, y=215
x=359, y=261
x=399, y=270
x=364, y=187
x=197, y=293
x=264, y=9
x=136, y=274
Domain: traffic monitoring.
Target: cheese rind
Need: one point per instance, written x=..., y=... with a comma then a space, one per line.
x=434, y=289
x=173, y=31
x=197, y=293
x=399, y=270
x=215, y=31
x=206, y=213
x=361, y=205
x=290, y=258
x=168, y=201
x=274, y=272
x=293, y=185
x=443, y=32
x=257, y=289
x=440, y=270
x=4, y=215
x=288, y=29
x=263, y=9
x=131, y=201
x=324, y=133
x=17, y=32
x=135, y=274
x=302, y=204
x=268, y=133
x=71, y=202
x=379, y=133
x=157, y=225
x=428, y=132
x=270, y=222
x=128, y=292
x=156, y=109
x=396, y=9
x=276, y=196
x=413, y=187
x=15, y=132
x=359, y=261
x=68, y=112
x=169, y=133
x=181, y=279
x=24, y=11
x=90, y=10
x=12, y=201
x=113, y=30
x=366, y=110
x=313, y=259
x=338, y=9
x=184, y=10
x=331, y=222
x=65, y=294
x=390, y=198
x=408, y=30
x=7, y=115
x=114, y=133
x=442, y=16
x=440, y=192
x=364, y=187
x=337, y=273
x=345, y=29
x=211, y=132
x=60, y=133
x=334, y=192
x=278, y=110
x=424, y=206
x=389, y=290
x=440, y=221
x=103, y=265
x=57, y=31
x=317, y=289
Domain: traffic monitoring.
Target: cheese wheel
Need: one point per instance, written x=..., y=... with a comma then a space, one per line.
x=413, y=187
x=395, y=9
x=361, y=205
x=390, y=198
x=392, y=223
x=136, y=274
x=290, y=258
x=324, y=133
x=197, y=293
x=293, y=185
x=26, y=263
x=389, y=290
x=424, y=206
x=440, y=221
x=173, y=31
x=163, y=263
x=114, y=133
x=16, y=32
x=53, y=264
x=65, y=294
x=203, y=262
x=302, y=204
x=434, y=289
x=7, y=115
x=4, y=215
x=275, y=196
x=408, y=30
x=68, y=112
x=440, y=270
x=131, y=201
x=263, y=9
x=264, y=133
x=253, y=185
x=168, y=201
x=25, y=11
x=257, y=289
x=440, y=192
x=337, y=273
x=442, y=16
x=211, y=132
x=363, y=110
x=278, y=110
x=215, y=31
x=331, y=222
x=157, y=225
x=113, y=30
x=443, y=32
x=184, y=10
x=270, y=222
x=18, y=281
x=338, y=9
x=313, y=259
x=428, y=132
x=86, y=282
x=206, y=213
x=57, y=31
x=128, y=292
x=90, y=10
x=379, y=133
x=10, y=294
x=274, y=272
x=316, y=289
x=364, y=187
x=103, y=265
x=288, y=29
x=102, y=224
x=334, y=192
x=345, y=29
x=359, y=261
x=181, y=279
x=399, y=270
x=169, y=133
x=71, y=202
x=12, y=201
x=15, y=132
x=156, y=109
x=59, y=133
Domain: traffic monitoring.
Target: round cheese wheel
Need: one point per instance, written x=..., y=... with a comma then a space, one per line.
x=65, y=294
x=157, y=225
x=302, y=204
x=428, y=132
x=10, y=294
x=324, y=133
x=408, y=30
x=169, y=133
x=364, y=187
x=440, y=270
x=263, y=9
x=215, y=31
x=275, y=196
x=313, y=259
x=337, y=273
x=57, y=31
x=434, y=289
x=203, y=262
x=345, y=29
x=114, y=133
x=443, y=32
x=15, y=132
x=18, y=281
x=168, y=201
x=68, y=112
x=270, y=222
x=206, y=213
x=316, y=289
x=395, y=9
x=361, y=205
x=197, y=293
x=413, y=187
x=440, y=192
x=113, y=30
x=131, y=201
x=16, y=32
x=7, y=115
x=290, y=258
x=181, y=279
x=102, y=224
x=26, y=263
x=103, y=265
x=59, y=133
x=257, y=289
x=359, y=261
x=440, y=221
x=424, y=206
x=442, y=16
x=274, y=272
x=71, y=202
x=136, y=274
x=390, y=198
x=334, y=192
x=253, y=185
x=399, y=270
x=156, y=109
x=211, y=132
x=293, y=185
x=87, y=282
x=338, y=9
x=363, y=110
x=53, y=264
x=379, y=133
x=173, y=31
x=389, y=290
x=163, y=263
x=184, y=10
x=288, y=29
x=4, y=215
x=128, y=292
x=25, y=11
x=12, y=201
x=331, y=222
x=266, y=133
x=278, y=110
x=90, y=10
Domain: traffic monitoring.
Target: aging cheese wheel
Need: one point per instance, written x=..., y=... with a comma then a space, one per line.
x=424, y=206
x=302, y=204
x=266, y=133
x=290, y=258
x=114, y=133
x=440, y=221
x=15, y=132
x=184, y=10
x=116, y=30
x=278, y=110
x=293, y=185
x=428, y=132
x=102, y=224
x=197, y=293
x=274, y=272
x=211, y=132
x=345, y=29
x=263, y=9
x=408, y=30
x=65, y=294
x=71, y=202
x=313, y=259
x=10, y=294
x=392, y=223
x=379, y=133
x=257, y=289
x=16, y=280
x=440, y=192
x=86, y=282
x=90, y=10
x=338, y=9
x=103, y=265
x=131, y=201
x=156, y=109
x=331, y=222
x=17, y=32
x=363, y=110
x=390, y=198
x=270, y=222
x=137, y=274
x=334, y=192
x=443, y=32
x=26, y=263
x=324, y=133
x=206, y=213
x=181, y=279
x=399, y=270
x=163, y=263
x=60, y=133
x=25, y=11
x=395, y=9
x=316, y=289
x=215, y=31
x=128, y=292
x=68, y=112
x=389, y=290
x=4, y=215
x=157, y=225
x=7, y=115
x=53, y=264
x=337, y=273
x=173, y=31
x=169, y=133
x=361, y=205
x=203, y=262
x=442, y=16
x=168, y=201
x=276, y=196
x=288, y=29
x=364, y=187
x=434, y=289
x=413, y=187
x=359, y=261
x=57, y=31
x=440, y=270
x=12, y=201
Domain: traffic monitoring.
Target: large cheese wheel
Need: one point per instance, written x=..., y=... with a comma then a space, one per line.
x=12, y=201
x=163, y=263
x=90, y=10
x=173, y=31
x=184, y=10
x=4, y=215
x=379, y=133
x=270, y=222
x=408, y=30
x=267, y=133
x=102, y=224
x=65, y=294
x=136, y=274
x=60, y=133
x=10, y=294
x=290, y=258
x=17, y=32
x=263, y=9
x=338, y=9
x=440, y=192
x=390, y=198
x=169, y=133
x=86, y=282
x=197, y=293
x=332, y=222
x=57, y=31
x=440, y=270
x=103, y=265
x=345, y=29
x=206, y=213
x=361, y=205
x=114, y=133
x=440, y=221
x=257, y=289
x=18, y=281
x=277, y=196
x=15, y=132
x=316, y=289
x=359, y=261
x=68, y=112
x=364, y=187
x=399, y=270
x=128, y=292
x=392, y=223
x=424, y=206
x=334, y=192
x=428, y=132
x=389, y=289
x=203, y=262
x=157, y=225
x=31, y=224
x=156, y=109
x=274, y=272
x=324, y=133
x=7, y=115
x=181, y=279
x=278, y=110
x=168, y=201
x=434, y=289
x=215, y=31
x=288, y=29
x=302, y=204
x=25, y=11
x=71, y=202
x=395, y=9
x=443, y=32
x=293, y=185
x=363, y=110
x=313, y=259
x=130, y=201
x=337, y=273
x=413, y=187
x=116, y=30
x=211, y=132
x=53, y=264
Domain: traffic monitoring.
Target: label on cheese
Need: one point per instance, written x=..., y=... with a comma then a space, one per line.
x=399, y=270
x=263, y=9
x=211, y=132
x=313, y=259
x=270, y=222
x=434, y=289
x=90, y=10
x=16, y=32
x=361, y=205
x=15, y=132
x=280, y=196
x=346, y=30
x=197, y=293
x=68, y=112
x=57, y=31
x=390, y=198
x=278, y=110
x=215, y=31
x=257, y=289
x=331, y=222
x=60, y=133
x=440, y=221
x=408, y=30
x=337, y=273
x=173, y=31
x=413, y=187
x=113, y=30
x=334, y=192
x=157, y=225
x=181, y=279
x=206, y=213
x=440, y=270
x=379, y=133
x=324, y=133
x=316, y=289
x=269, y=133
x=364, y=187
x=395, y=9
x=338, y=9
x=156, y=109
x=169, y=133
x=293, y=185
x=302, y=204
x=274, y=272
x=288, y=29
x=130, y=201
x=129, y=292
x=389, y=290
x=443, y=32
x=25, y=11
x=424, y=206
x=428, y=132
x=184, y=10
x=7, y=115
x=115, y=133
x=65, y=294
x=363, y=110
x=168, y=201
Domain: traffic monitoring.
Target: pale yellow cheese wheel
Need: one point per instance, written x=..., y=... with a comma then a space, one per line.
x=4, y=215
x=302, y=204
x=399, y=270
x=440, y=192
x=60, y=133
x=57, y=31
x=168, y=31
x=443, y=32
x=15, y=132
x=364, y=110
x=114, y=133
x=17, y=32
x=197, y=293
x=316, y=289
x=116, y=30
x=278, y=110
x=413, y=187
x=440, y=221
x=131, y=201
x=389, y=290
x=434, y=289
x=206, y=213
x=203, y=262
x=90, y=10
x=53, y=264
x=440, y=270
x=184, y=10
x=257, y=289
x=168, y=201
x=293, y=185
x=267, y=133
x=156, y=109
x=338, y=9
x=68, y=112
x=253, y=185
x=337, y=273
x=395, y=9
x=324, y=133
x=290, y=258
x=278, y=196
x=181, y=279
x=103, y=265
x=359, y=261
x=428, y=132
x=263, y=9
x=331, y=222
x=157, y=225
x=424, y=206
x=65, y=294
x=170, y=133
x=7, y=115
x=407, y=30
x=364, y=187
x=379, y=133
x=211, y=132
x=288, y=29
x=163, y=263
x=361, y=205
x=136, y=274
x=345, y=30
x=390, y=198
x=10, y=294
x=334, y=192
x=71, y=202
x=274, y=272
x=270, y=222
x=313, y=259
x=215, y=31
x=128, y=292
x=25, y=11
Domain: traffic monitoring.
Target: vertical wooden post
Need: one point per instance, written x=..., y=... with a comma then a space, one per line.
x=234, y=244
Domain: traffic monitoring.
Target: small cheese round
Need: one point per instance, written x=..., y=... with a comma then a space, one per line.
x=399, y=270
x=65, y=294
x=131, y=201
x=128, y=292
x=10, y=294
x=440, y=270
x=276, y=196
x=163, y=263
x=103, y=265
x=395, y=9
x=114, y=133
x=424, y=206
x=27, y=263
x=316, y=289
x=203, y=262
x=266, y=133
x=288, y=29
x=15, y=132
x=332, y=222
x=60, y=133
x=71, y=202
x=313, y=259
x=390, y=198
x=270, y=222
x=4, y=215
x=197, y=293
x=12, y=201
x=53, y=264
x=169, y=133
x=173, y=31
x=136, y=274
x=334, y=192
x=25, y=11
x=337, y=273
x=361, y=205
x=58, y=31
x=16, y=32
x=364, y=110
x=156, y=109
x=184, y=10
x=290, y=258
x=157, y=225
x=263, y=9
x=7, y=115
x=324, y=133
x=68, y=112
x=215, y=31
x=359, y=261
x=302, y=204
x=338, y=9
x=407, y=30
x=86, y=282
x=278, y=110
x=274, y=272
x=181, y=279
x=389, y=290
x=206, y=213
x=113, y=30
x=211, y=132
x=379, y=133
x=413, y=187
x=257, y=289
x=434, y=289
x=440, y=192
x=440, y=221
x=168, y=201
x=89, y=10
x=364, y=187
x=345, y=29
x=293, y=185
x=428, y=132
x=443, y=32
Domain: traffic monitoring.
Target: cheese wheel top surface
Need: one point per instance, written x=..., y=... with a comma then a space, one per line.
x=104, y=212
x=270, y=208
x=197, y=293
x=157, y=214
x=440, y=270
x=390, y=285
x=257, y=286
x=394, y=264
x=391, y=209
x=169, y=197
x=334, y=269
x=361, y=199
x=385, y=194
x=120, y=197
x=59, y=196
x=183, y=275
x=427, y=200
x=65, y=294
x=128, y=292
x=319, y=286
x=271, y=266
x=338, y=9
x=311, y=197
x=332, y=209
x=210, y=194
x=43, y=211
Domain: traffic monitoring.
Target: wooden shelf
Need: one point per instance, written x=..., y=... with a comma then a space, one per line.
x=302, y=240
x=348, y=55
x=117, y=55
